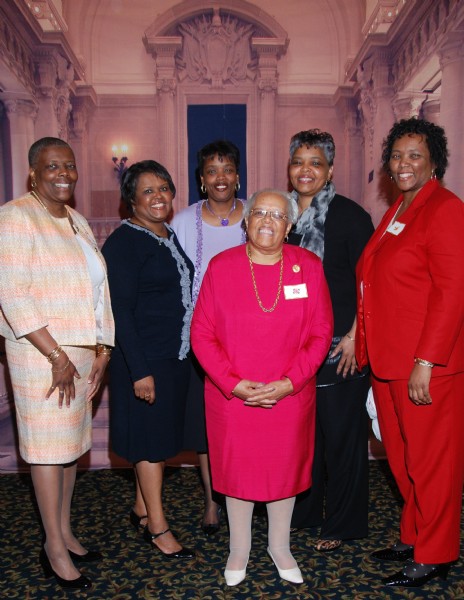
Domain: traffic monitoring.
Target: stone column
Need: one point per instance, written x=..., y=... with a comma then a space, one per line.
x=164, y=50
x=268, y=51
x=82, y=107
x=166, y=88
x=452, y=84
x=354, y=166
x=21, y=116
x=376, y=94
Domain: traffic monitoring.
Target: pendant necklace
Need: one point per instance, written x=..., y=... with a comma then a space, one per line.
x=223, y=220
x=255, y=287
x=199, y=247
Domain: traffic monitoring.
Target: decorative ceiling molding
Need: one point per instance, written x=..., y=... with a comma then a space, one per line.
x=413, y=42
x=383, y=16
x=48, y=16
x=166, y=24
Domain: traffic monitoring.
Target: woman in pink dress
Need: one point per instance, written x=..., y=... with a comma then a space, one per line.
x=261, y=328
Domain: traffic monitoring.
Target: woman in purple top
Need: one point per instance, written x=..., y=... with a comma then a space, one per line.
x=204, y=229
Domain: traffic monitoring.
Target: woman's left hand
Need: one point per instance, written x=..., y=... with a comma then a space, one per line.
x=418, y=385
x=347, y=363
x=96, y=375
x=270, y=393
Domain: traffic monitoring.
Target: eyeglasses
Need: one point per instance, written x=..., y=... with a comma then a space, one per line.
x=275, y=215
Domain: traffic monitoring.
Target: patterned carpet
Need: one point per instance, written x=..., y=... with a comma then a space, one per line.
x=130, y=569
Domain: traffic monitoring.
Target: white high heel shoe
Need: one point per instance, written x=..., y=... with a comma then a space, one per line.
x=234, y=577
x=292, y=575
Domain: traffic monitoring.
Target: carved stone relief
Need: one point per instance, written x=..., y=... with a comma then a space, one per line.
x=54, y=76
x=216, y=50
x=367, y=104
x=17, y=55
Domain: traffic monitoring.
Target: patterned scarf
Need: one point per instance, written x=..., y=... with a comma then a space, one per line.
x=311, y=222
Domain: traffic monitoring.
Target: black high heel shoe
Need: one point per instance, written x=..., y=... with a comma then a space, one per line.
x=404, y=580
x=212, y=528
x=81, y=582
x=150, y=537
x=392, y=554
x=89, y=556
x=136, y=520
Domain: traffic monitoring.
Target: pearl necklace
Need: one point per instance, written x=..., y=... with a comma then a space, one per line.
x=223, y=220
x=255, y=287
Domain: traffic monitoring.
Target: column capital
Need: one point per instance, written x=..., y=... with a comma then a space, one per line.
x=82, y=108
x=408, y=105
x=26, y=108
x=166, y=86
x=267, y=85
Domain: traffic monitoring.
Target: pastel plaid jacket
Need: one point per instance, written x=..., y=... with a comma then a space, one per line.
x=44, y=278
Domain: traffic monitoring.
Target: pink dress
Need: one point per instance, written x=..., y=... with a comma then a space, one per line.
x=261, y=454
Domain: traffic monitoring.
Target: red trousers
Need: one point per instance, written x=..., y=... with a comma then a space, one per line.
x=425, y=450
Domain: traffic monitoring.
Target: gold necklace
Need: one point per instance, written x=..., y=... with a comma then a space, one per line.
x=255, y=287
x=74, y=227
x=37, y=197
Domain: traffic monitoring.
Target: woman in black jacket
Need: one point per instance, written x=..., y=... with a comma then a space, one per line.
x=336, y=229
x=150, y=280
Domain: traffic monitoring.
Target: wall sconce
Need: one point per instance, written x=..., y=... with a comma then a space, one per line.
x=119, y=163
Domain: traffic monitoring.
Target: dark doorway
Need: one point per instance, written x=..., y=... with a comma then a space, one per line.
x=209, y=122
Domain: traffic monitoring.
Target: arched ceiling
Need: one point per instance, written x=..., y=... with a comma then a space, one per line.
x=107, y=37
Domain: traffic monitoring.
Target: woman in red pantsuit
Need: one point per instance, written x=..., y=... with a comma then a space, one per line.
x=411, y=328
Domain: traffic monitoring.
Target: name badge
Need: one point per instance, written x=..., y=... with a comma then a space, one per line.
x=396, y=228
x=293, y=292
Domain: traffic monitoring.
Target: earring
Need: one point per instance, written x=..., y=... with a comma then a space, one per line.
x=33, y=184
x=237, y=186
x=286, y=239
x=203, y=188
x=327, y=182
x=432, y=175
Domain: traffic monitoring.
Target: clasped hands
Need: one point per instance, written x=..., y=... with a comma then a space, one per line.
x=262, y=395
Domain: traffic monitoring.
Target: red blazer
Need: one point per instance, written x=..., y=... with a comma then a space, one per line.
x=412, y=298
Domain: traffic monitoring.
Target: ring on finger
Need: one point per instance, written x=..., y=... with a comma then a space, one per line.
x=61, y=392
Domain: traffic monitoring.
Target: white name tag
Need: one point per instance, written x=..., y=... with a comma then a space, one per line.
x=293, y=292
x=396, y=228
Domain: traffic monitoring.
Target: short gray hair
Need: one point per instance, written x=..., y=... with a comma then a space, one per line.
x=292, y=206
x=314, y=138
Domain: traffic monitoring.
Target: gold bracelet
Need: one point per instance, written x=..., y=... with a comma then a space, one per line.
x=424, y=363
x=63, y=369
x=102, y=349
x=352, y=339
x=54, y=354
